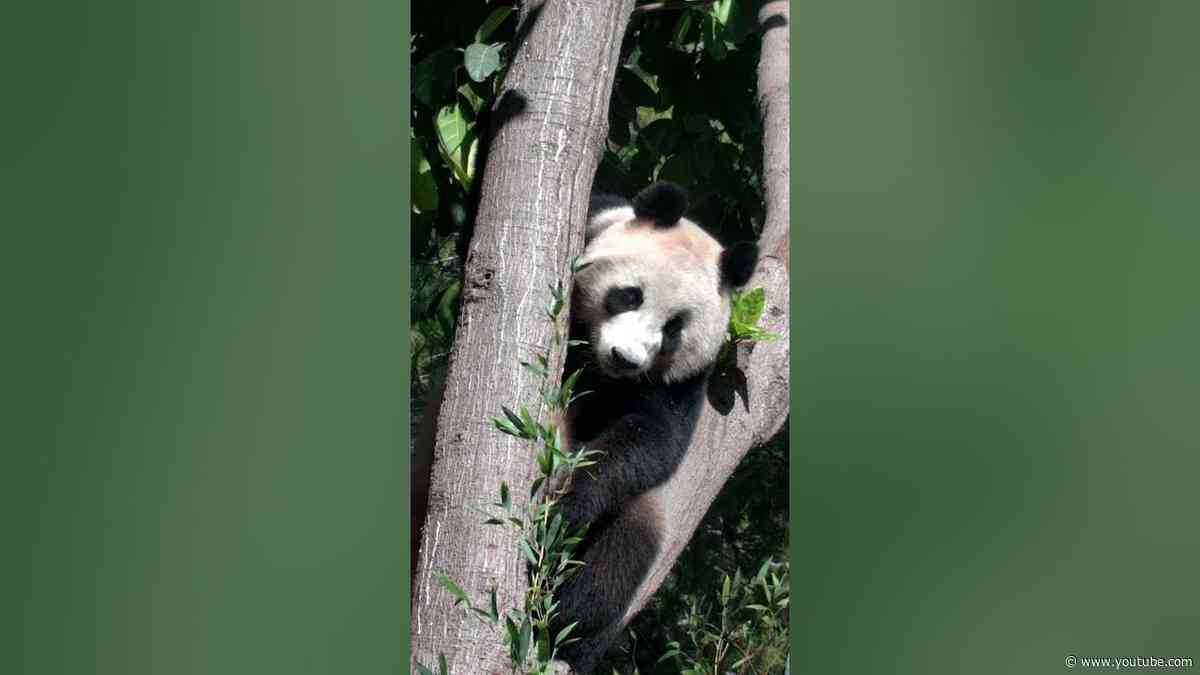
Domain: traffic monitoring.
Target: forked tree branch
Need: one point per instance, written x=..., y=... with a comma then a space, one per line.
x=760, y=403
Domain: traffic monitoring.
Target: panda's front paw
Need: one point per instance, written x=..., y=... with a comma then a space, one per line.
x=578, y=508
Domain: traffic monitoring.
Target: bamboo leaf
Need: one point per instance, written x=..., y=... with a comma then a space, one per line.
x=444, y=580
x=525, y=638
x=524, y=546
x=562, y=634
x=490, y=24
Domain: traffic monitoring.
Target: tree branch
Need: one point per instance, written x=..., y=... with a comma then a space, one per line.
x=725, y=434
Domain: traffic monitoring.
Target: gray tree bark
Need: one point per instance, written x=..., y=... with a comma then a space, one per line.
x=760, y=405
x=536, y=187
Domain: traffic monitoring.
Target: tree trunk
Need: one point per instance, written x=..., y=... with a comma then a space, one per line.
x=546, y=142
x=745, y=413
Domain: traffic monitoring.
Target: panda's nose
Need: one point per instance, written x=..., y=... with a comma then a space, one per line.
x=622, y=362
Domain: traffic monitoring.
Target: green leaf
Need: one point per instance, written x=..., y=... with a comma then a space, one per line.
x=433, y=75
x=673, y=650
x=481, y=60
x=505, y=501
x=472, y=155
x=447, y=309
x=516, y=421
x=562, y=634
x=714, y=40
x=568, y=387
x=759, y=335
x=526, y=635
x=507, y=427
x=422, y=669
x=534, y=368
x=493, y=22
x=472, y=97
x=543, y=645
x=725, y=591
x=452, y=130
x=545, y=464
x=677, y=169
x=552, y=532
x=530, y=425
x=444, y=580
x=637, y=91
x=524, y=546
x=513, y=639
x=680, y=32
x=424, y=185
x=442, y=668
x=661, y=136
x=696, y=123
x=762, y=571
x=720, y=10
x=747, y=309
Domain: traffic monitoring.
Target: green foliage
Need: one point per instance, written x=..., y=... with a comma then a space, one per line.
x=747, y=308
x=742, y=627
x=458, y=55
x=684, y=109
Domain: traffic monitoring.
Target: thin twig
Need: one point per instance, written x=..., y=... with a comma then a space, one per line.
x=666, y=5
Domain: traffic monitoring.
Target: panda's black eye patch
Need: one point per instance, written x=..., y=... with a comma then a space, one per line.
x=622, y=299
x=671, y=332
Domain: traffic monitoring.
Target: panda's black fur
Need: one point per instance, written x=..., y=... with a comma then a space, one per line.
x=643, y=426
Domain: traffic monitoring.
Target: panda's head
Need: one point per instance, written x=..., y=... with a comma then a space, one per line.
x=652, y=291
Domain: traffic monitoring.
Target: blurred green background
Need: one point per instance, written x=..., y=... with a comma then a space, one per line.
x=204, y=397
x=995, y=212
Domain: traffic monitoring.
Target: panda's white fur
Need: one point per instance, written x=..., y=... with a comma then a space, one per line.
x=652, y=299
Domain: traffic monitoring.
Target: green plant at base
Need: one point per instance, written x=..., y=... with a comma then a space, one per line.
x=744, y=631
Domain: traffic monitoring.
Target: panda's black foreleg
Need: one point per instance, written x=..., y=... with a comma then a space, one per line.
x=638, y=452
x=616, y=560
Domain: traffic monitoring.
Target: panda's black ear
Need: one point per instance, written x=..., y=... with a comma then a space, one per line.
x=663, y=202
x=738, y=263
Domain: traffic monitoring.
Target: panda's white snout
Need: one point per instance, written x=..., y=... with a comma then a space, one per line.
x=628, y=358
x=627, y=344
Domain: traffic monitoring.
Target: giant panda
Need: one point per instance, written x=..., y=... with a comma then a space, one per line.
x=651, y=302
